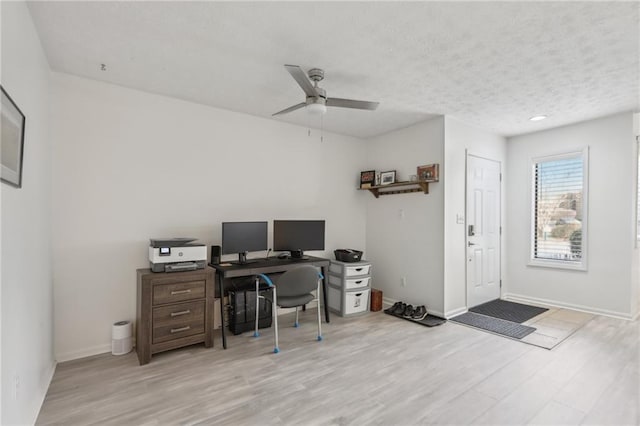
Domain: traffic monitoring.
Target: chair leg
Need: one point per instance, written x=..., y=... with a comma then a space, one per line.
x=319, y=315
x=276, y=349
x=296, y=324
x=255, y=332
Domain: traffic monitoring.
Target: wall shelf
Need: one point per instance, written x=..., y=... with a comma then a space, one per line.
x=398, y=188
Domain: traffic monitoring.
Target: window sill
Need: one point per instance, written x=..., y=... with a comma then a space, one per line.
x=556, y=264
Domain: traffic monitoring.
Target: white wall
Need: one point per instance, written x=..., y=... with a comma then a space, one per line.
x=128, y=166
x=606, y=286
x=27, y=311
x=458, y=139
x=409, y=246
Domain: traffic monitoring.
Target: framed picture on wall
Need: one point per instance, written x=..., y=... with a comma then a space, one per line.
x=11, y=141
x=428, y=173
x=387, y=177
x=367, y=178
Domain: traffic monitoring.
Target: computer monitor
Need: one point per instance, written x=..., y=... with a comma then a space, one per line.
x=298, y=235
x=243, y=237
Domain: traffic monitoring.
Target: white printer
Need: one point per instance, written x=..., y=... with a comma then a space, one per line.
x=176, y=254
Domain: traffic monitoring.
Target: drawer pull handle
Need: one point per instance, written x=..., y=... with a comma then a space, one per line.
x=359, y=269
x=173, y=293
x=177, y=314
x=178, y=330
x=358, y=282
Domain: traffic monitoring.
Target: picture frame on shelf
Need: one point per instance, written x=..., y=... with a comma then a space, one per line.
x=367, y=179
x=428, y=173
x=11, y=142
x=387, y=177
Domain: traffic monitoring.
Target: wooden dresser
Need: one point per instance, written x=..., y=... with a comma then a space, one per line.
x=173, y=310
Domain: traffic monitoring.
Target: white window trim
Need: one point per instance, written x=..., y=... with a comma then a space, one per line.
x=561, y=264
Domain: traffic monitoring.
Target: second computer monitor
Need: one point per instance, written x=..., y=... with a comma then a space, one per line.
x=297, y=236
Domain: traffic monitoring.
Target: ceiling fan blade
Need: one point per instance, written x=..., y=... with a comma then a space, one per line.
x=302, y=79
x=291, y=108
x=350, y=103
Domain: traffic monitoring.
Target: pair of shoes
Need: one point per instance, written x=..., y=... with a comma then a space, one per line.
x=399, y=310
x=419, y=313
x=408, y=311
x=393, y=308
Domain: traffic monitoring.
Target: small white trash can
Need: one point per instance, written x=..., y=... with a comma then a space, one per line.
x=121, y=338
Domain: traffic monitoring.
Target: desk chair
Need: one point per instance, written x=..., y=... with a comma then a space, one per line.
x=293, y=290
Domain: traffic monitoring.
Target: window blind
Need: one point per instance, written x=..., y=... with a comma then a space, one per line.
x=559, y=209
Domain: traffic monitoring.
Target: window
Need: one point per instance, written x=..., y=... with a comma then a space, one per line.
x=559, y=216
x=638, y=194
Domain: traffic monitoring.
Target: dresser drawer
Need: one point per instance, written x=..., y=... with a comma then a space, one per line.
x=178, y=292
x=178, y=313
x=176, y=321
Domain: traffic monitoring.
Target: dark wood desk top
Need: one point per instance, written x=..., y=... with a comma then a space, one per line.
x=266, y=266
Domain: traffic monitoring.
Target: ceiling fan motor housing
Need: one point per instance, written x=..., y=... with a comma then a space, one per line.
x=316, y=74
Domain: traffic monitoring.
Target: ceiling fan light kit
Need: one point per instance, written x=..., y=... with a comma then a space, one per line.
x=316, y=108
x=317, y=101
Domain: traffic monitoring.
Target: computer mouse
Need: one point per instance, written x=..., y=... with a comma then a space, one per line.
x=283, y=256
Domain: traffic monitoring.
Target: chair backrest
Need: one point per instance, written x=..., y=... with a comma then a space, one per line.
x=298, y=281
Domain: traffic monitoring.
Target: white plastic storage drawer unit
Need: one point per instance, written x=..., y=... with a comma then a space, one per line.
x=347, y=303
x=344, y=269
x=349, y=287
x=349, y=283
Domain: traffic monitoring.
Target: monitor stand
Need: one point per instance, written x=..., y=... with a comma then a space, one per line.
x=298, y=255
x=242, y=259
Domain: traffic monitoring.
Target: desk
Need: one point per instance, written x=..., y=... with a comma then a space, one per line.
x=272, y=265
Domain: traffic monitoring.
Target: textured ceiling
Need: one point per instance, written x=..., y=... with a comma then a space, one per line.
x=492, y=64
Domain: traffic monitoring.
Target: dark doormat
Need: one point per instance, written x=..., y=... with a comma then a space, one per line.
x=495, y=325
x=429, y=320
x=510, y=311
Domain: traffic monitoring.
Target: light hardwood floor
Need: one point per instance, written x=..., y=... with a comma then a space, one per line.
x=373, y=369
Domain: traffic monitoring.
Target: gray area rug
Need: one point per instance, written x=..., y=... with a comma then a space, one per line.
x=495, y=325
x=510, y=311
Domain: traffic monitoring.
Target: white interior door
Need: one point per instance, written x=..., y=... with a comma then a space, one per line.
x=483, y=230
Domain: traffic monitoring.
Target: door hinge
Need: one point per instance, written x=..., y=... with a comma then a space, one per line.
x=501, y=230
x=500, y=283
x=500, y=177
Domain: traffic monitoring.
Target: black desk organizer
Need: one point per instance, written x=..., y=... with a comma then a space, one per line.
x=428, y=321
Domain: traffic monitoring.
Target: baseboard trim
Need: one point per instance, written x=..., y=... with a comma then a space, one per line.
x=94, y=350
x=387, y=302
x=39, y=400
x=590, y=310
x=436, y=313
x=455, y=312
x=106, y=348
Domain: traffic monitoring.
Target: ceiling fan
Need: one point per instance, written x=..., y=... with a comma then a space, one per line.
x=317, y=101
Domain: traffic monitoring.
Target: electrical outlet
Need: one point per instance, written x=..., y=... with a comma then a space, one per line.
x=403, y=281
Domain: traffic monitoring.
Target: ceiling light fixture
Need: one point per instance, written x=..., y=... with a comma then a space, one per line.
x=316, y=108
x=538, y=118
